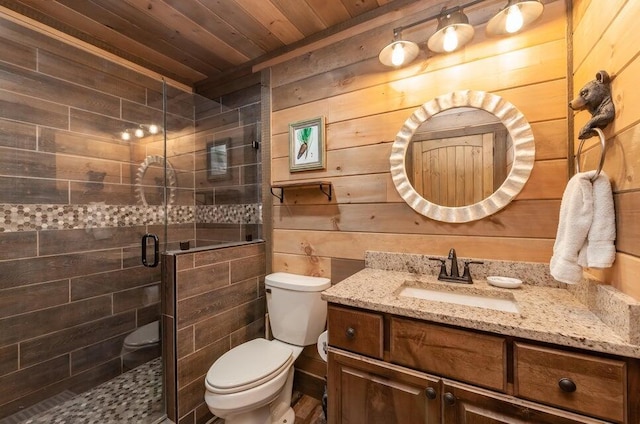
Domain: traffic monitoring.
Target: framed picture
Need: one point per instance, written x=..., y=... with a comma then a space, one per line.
x=218, y=159
x=307, y=145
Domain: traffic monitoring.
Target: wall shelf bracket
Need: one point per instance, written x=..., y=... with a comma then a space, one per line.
x=325, y=187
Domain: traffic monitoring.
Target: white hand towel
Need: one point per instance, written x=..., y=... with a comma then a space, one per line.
x=599, y=250
x=576, y=214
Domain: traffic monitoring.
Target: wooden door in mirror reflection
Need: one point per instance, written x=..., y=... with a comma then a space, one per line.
x=462, y=170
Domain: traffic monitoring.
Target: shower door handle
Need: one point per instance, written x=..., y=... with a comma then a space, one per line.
x=156, y=250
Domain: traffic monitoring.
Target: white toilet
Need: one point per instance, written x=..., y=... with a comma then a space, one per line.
x=141, y=345
x=252, y=383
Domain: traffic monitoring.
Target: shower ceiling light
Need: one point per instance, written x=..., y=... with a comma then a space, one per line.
x=454, y=31
x=399, y=52
x=516, y=15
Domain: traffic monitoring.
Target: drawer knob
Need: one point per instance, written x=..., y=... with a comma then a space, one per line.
x=431, y=393
x=351, y=333
x=449, y=399
x=567, y=385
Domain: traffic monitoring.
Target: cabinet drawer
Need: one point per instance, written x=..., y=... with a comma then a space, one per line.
x=588, y=384
x=458, y=354
x=357, y=331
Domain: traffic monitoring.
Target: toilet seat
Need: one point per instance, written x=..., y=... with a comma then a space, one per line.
x=249, y=365
x=146, y=335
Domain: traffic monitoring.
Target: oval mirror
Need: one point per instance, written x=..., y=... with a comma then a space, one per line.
x=462, y=156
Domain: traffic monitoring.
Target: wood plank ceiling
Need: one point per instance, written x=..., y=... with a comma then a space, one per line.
x=191, y=41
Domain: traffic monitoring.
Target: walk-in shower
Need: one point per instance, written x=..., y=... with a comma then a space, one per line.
x=94, y=155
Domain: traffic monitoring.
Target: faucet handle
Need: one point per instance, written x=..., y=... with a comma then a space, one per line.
x=466, y=273
x=443, y=267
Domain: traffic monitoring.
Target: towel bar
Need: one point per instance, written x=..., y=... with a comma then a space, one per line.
x=602, y=153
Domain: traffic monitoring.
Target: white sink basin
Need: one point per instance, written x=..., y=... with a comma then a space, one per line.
x=489, y=301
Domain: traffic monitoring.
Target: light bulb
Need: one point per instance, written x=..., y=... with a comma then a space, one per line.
x=514, y=19
x=125, y=136
x=450, y=41
x=138, y=133
x=397, y=56
x=153, y=129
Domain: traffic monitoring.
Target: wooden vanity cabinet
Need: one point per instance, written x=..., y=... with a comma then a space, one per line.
x=356, y=331
x=464, y=404
x=479, y=359
x=414, y=372
x=578, y=382
x=366, y=391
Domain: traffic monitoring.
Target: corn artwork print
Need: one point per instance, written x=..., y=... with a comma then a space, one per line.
x=304, y=136
x=306, y=145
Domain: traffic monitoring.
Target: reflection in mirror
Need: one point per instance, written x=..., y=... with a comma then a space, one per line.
x=459, y=157
x=150, y=181
x=462, y=156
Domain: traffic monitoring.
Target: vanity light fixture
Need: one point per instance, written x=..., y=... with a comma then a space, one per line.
x=153, y=129
x=126, y=136
x=139, y=132
x=516, y=15
x=454, y=31
x=399, y=52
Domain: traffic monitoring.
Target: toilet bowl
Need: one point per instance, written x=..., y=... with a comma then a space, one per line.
x=141, y=345
x=253, y=382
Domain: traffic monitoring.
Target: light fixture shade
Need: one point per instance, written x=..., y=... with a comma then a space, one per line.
x=516, y=15
x=399, y=53
x=454, y=31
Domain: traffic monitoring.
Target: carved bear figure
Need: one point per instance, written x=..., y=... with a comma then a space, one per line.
x=595, y=96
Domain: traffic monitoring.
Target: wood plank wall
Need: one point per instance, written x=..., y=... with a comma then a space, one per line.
x=365, y=105
x=603, y=38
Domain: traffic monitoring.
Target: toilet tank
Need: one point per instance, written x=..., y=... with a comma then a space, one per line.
x=297, y=314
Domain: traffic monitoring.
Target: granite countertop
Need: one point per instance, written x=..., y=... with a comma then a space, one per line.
x=545, y=314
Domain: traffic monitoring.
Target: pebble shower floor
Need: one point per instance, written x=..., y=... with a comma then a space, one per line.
x=133, y=397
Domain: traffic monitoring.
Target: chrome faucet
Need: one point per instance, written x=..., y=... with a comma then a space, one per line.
x=454, y=275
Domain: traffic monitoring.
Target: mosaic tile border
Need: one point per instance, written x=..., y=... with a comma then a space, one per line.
x=229, y=214
x=17, y=218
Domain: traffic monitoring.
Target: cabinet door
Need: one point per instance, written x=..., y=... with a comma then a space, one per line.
x=463, y=404
x=365, y=391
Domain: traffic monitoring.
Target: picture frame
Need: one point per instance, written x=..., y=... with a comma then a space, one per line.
x=218, y=159
x=307, y=149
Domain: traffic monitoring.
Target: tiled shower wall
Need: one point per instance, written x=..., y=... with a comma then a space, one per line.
x=71, y=283
x=214, y=300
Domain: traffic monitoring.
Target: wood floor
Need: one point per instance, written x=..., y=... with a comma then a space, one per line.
x=308, y=410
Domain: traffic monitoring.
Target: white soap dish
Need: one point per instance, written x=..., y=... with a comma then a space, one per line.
x=504, y=282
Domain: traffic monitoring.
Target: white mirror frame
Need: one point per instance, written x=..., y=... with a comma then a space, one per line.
x=171, y=179
x=523, y=145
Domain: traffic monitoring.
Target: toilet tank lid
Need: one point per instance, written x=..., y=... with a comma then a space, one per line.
x=285, y=280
